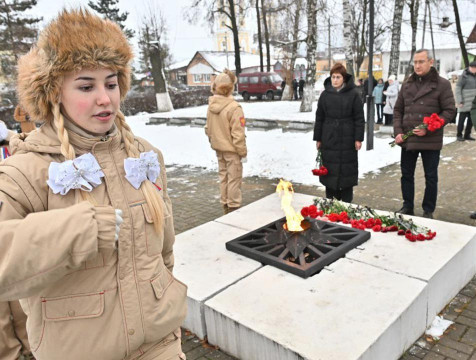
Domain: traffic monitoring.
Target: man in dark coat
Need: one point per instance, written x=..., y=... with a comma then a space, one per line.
x=424, y=93
x=473, y=115
x=339, y=132
x=295, y=89
x=366, y=88
x=301, y=87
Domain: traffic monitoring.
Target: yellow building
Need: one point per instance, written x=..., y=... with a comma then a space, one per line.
x=224, y=36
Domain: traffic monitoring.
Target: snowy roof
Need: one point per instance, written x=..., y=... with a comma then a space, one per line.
x=218, y=60
x=178, y=65
x=301, y=61
x=446, y=38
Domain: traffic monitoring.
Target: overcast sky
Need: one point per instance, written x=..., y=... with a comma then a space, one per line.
x=184, y=39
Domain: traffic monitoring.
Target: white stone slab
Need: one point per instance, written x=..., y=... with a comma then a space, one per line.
x=354, y=311
x=447, y=263
x=203, y=263
x=263, y=211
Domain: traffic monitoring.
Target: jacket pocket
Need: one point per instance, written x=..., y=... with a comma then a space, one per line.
x=161, y=283
x=153, y=240
x=84, y=306
x=165, y=305
x=70, y=307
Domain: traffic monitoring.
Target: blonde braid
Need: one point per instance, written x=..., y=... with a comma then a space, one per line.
x=154, y=200
x=67, y=150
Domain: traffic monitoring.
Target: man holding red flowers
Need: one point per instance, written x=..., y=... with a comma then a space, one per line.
x=423, y=94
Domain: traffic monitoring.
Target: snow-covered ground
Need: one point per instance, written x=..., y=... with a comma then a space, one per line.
x=262, y=110
x=271, y=154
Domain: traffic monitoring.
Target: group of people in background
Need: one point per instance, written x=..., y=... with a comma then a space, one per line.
x=339, y=126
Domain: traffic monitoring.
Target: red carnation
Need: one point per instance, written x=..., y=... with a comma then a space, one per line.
x=333, y=217
x=431, y=123
x=305, y=211
x=343, y=215
x=420, y=237
x=377, y=228
x=410, y=237
x=401, y=232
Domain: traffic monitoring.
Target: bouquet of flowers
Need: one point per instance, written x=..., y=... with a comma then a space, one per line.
x=431, y=123
x=320, y=169
x=365, y=218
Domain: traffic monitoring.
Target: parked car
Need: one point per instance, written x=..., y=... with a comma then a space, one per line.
x=259, y=84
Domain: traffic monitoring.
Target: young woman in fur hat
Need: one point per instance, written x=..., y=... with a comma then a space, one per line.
x=86, y=223
x=225, y=129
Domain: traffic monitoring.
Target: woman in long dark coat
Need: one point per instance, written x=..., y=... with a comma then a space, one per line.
x=339, y=132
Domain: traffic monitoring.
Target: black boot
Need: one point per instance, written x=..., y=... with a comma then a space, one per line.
x=428, y=215
x=405, y=211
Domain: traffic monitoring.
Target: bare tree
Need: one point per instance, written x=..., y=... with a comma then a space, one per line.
x=347, y=35
x=260, y=40
x=154, y=51
x=460, y=35
x=266, y=36
x=308, y=96
x=414, y=6
x=228, y=8
x=359, y=30
x=296, y=18
x=396, y=32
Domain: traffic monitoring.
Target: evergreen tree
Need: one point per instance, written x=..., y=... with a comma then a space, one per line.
x=109, y=10
x=17, y=33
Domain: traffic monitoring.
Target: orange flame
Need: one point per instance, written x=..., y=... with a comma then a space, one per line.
x=293, y=218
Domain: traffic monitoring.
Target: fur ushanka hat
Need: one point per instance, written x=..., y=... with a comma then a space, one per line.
x=75, y=40
x=224, y=83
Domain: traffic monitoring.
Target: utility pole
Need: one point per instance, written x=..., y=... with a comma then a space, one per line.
x=370, y=99
x=424, y=26
x=431, y=32
x=329, y=41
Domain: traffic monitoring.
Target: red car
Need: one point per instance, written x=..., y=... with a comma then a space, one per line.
x=259, y=84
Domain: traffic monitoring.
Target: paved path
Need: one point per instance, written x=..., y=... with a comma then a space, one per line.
x=195, y=197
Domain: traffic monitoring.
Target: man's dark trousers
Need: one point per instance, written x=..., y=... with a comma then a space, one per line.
x=431, y=159
x=469, y=124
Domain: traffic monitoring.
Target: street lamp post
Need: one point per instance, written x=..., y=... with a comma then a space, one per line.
x=370, y=98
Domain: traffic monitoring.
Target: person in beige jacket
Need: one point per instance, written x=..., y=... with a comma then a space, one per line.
x=86, y=227
x=24, y=119
x=225, y=129
x=13, y=338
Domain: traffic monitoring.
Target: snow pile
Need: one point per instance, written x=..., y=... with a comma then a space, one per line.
x=438, y=327
x=271, y=154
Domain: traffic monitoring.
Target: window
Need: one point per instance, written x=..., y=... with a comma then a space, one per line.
x=265, y=80
x=244, y=80
x=403, y=67
x=276, y=78
x=201, y=78
x=254, y=79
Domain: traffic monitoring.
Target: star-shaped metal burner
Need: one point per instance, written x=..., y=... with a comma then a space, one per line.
x=302, y=253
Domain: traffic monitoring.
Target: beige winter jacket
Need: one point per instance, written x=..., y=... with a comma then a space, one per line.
x=83, y=298
x=226, y=125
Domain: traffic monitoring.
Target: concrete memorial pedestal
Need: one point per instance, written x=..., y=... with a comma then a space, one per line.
x=372, y=304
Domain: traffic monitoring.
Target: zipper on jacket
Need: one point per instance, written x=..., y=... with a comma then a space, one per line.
x=105, y=138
